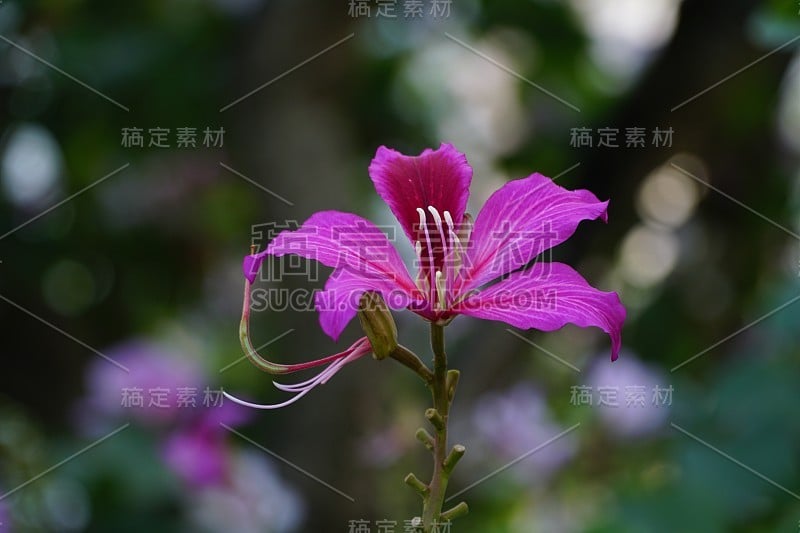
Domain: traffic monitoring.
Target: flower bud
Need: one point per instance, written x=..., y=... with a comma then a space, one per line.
x=378, y=324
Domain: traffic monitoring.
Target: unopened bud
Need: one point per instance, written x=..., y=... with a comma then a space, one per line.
x=378, y=324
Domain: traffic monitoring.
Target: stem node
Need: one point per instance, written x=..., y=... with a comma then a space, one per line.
x=453, y=457
x=421, y=488
x=455, y=512
x=435, y=418
x=452, y=383
x=425, y=438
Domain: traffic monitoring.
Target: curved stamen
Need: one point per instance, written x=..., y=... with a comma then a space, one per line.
x=244, y=403
x=355, y=348
x=441, y=276
x=449, y=219
x=360, y=348
x=438, y=221
x=421, y=281
x=458, y=248
x=337, y=361
x=423, y=222
x=451, y=229
x=319, y=379
x=261, y=362
x=438, y=281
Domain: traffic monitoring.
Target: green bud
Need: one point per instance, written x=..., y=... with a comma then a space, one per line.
x=456, y=512
x=414, y=482
x=378, y=324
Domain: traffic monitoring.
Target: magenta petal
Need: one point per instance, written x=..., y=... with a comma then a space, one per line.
x=338, y=303
x=339, y=240
x=251, y=266
x=546, y=297
x=363, y=259
x=438, y=178
x=521, y=220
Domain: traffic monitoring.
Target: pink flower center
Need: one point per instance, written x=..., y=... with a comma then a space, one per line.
x=439, y=254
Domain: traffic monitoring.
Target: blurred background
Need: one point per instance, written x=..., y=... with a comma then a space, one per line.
x=145, y=145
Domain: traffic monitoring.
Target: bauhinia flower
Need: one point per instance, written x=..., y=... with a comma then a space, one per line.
x=485, y=270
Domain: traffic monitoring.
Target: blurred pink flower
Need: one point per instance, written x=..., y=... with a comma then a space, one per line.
x=5, y=517
x=153, y=371
x=197, y=451
x=515, y=422
x=640, y=407
x=193, y=439
x=254, y=500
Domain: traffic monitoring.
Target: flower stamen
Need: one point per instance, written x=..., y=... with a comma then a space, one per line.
x=423, y=222
x=442, y=276
x=437, y=219
x=441, y=291
x=458, y=248
x=421, y=281
x=359, y=348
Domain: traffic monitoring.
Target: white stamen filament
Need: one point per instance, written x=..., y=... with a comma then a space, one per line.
x=438, y=221
x=423, y=222
x=456, y=247
x=449, y=219
x=439, y=281
x=451, y=228
x=358, y=349
x=421, y=281
x=452, y=249
x=440, y=291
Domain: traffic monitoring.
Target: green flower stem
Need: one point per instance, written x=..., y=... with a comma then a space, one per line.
x=443, y=389
x=408, y=358
x=442, y=384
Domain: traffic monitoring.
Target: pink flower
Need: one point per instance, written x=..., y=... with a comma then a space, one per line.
x=5, y=517
x=155, y=371
x=481, y=271
x=198, y=450
x=194, y=443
